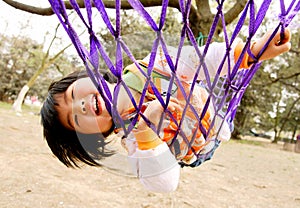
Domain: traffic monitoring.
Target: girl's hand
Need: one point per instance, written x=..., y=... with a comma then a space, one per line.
x=154, y=112
x=146, y=138
x=276, y=47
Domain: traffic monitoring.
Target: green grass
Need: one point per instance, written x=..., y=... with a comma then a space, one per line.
x=25, y=108
x=4, y=105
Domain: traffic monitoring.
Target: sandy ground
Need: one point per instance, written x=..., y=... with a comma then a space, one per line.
x=239, y=175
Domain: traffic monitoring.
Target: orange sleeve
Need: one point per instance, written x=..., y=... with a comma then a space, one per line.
x=147, y=139
x=237, y=52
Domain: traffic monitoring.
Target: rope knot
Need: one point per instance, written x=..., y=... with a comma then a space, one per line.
x=158, y=33
x=118, y=38
x=219, y=7
x=282, y=18
x=187, y=21
x=228, y=49
x=91, y=32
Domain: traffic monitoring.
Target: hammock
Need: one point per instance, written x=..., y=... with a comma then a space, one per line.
x=225, y=92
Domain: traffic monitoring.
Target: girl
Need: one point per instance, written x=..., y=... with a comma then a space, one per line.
x=76, y=121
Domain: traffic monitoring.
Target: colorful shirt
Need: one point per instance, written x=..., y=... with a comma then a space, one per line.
x=189, y=141
x=160, y=163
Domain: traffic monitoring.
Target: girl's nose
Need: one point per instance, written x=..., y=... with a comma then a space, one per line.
x=79, y=106
x=82, y=106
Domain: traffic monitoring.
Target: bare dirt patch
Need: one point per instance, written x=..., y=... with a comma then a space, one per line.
x=239, y=175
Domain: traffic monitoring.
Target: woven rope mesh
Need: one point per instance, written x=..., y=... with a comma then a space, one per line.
x=224, y=89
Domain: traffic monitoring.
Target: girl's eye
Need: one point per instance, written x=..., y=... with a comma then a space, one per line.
x=72, y=94
x=76, y=120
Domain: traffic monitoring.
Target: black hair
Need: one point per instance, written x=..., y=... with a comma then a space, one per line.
x=66, y=144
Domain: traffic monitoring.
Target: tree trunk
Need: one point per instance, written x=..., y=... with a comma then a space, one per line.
x=286, y=119
x=17, y=106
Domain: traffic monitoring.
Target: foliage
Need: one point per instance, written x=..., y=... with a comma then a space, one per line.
x=271, y=102
x=20, y=57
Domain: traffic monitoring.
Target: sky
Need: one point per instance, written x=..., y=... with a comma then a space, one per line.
x=13, y=20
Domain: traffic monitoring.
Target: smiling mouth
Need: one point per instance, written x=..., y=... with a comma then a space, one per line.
x=97, y=105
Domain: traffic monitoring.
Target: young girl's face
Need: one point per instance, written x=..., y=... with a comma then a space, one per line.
x=81, y=108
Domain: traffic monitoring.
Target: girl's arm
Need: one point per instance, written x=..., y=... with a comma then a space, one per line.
x=276, y=46
x=189, y=60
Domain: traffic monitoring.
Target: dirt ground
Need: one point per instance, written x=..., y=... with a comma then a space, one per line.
x=259, y=174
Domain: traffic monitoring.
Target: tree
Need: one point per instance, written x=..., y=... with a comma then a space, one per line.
x=45, y=63
x=200, y=18
x=271, y=102
x=19, y=57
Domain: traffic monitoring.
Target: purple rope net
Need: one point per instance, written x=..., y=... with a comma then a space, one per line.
x=225, y=92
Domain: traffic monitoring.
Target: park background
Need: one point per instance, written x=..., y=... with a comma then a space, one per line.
x=260, y=169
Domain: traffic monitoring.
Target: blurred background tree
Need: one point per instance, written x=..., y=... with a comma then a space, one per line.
x=20, y=58
x=271, y=102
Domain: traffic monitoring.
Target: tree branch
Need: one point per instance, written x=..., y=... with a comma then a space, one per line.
x=203, y=8
x=233, y=13
x=295, y=51
x=28, y=8
x=291, y=85
x=108, y=4
x=286, y=77
x=279, y=79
